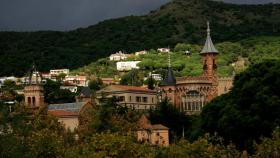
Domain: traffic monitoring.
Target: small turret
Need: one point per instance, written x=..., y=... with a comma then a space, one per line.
x=209, y=53
x=169, y=79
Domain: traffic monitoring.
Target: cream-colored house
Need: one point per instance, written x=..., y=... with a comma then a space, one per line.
x=138, y=98
x=127, y=65
x=154, y=134
x=68, y=113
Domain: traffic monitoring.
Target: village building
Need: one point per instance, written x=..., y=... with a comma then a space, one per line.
x=127, y=65
x=56, y=72
x=190, y=94
x=156, y=77
x=76, y=80
x=118, y=56
x=154, y=134
x=110, y=81
x=138, y=98
x=68, y=113
x=163, y=50
x=85, y=95
x=71, y=88
x=140, y=53
x=3, y=79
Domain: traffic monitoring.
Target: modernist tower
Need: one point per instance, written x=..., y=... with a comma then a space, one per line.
x=33, y=90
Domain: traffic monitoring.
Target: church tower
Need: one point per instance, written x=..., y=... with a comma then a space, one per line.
x=209, y=53
x=33, y=90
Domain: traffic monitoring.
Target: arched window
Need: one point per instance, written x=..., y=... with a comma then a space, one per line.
x=194, y=100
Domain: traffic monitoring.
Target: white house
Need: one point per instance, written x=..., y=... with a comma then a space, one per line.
x=76, y=80
x=141, y=53
x=59, y=71
x=118, y=56
x=127, y=65
x=163, y=50
x=3, y=79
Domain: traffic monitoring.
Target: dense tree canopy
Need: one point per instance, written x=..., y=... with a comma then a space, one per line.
x=250, y=110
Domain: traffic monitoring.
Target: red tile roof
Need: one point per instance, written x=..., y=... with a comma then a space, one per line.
x=62, y=113
x=123, y=87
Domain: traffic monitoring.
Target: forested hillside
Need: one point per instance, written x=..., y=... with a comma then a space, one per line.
x=234, y=57
x=176, y=22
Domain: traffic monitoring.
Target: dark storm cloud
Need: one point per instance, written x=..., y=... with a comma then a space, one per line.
x=22, y=15
x=67, y=14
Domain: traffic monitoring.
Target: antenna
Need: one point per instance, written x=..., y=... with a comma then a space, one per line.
x=169, y=60
x=208, y=28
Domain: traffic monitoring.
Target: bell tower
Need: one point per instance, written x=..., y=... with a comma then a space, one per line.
x=209, y=53
x=33, y=90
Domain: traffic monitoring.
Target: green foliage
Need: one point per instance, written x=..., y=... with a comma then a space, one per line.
x=132, y=78
x=53, y=93
x=95, y=84
x=203, y=147
x=168, y=115
x=250, y=110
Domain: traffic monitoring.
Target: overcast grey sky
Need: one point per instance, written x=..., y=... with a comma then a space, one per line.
x=23, y=15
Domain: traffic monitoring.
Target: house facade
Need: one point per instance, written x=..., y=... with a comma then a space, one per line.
x=138, y=98
x=127, y=65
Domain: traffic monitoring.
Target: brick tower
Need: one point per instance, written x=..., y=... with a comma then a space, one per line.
x=209, y=54
x=33, y=90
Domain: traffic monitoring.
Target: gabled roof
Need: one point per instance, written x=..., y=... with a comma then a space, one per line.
x=62, y=113
x=159, y=127
x=86, y=91
x=209, y=46
x=69, y=107
x=113, y=88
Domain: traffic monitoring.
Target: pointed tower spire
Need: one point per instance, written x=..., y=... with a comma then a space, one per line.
x=209, y=46
x=169, y=79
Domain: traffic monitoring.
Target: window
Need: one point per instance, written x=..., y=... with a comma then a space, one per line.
x=152, y=100
x=121, y=98
x=138, y=99
x=33, y=101
x=130, y=98
x=145, y=99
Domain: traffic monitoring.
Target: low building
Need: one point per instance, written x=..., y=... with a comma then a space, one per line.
x=76, y=80
x=71, y=88
x=225, y=85
x=68, y=113
x=138, y=98
x=127, y=66
x=140, y=53
x=109, y=81
x=3, y=79
x=153, y=134
x=163, y=50
x=85, y=95
x=118, y=56
x=56, y=72
x=156, y=77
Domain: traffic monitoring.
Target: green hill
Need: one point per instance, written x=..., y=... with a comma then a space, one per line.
x=176, y=22
x=234, y=57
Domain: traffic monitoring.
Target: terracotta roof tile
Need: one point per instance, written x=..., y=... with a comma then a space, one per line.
x=123, y=87
x=62, y=113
